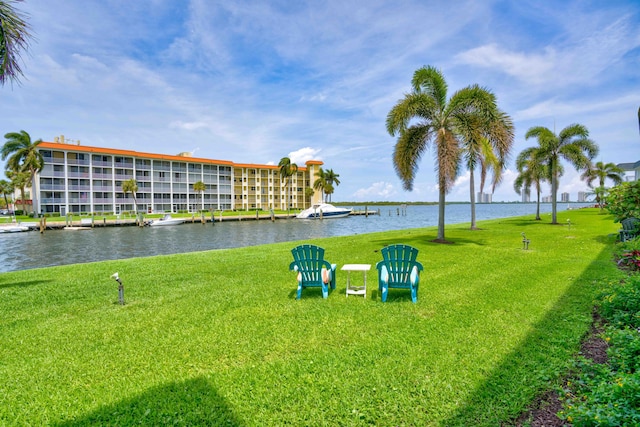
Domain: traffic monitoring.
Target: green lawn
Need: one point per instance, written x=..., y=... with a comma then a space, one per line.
x=218, y=338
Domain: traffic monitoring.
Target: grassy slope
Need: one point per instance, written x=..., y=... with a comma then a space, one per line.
x=217, y=337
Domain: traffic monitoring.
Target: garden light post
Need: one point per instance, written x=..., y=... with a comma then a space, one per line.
x=115, y=277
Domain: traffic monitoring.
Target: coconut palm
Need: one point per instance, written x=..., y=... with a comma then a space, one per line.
x=14, y=37
x=131, y=186
x=23, y=155
x=6, y=189
x=572, y=144
x=425, y=117
x=321, y=182
x=332, y=181
x=21, y=181
x=287, y=170
x=601, y=171
x=488, y=147
x=531, y=172
x=199, y=187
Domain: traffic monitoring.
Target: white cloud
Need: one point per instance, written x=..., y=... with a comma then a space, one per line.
x=303, y=155
x=377, y=191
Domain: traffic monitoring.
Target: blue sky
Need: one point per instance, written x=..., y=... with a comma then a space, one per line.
x=254, y=81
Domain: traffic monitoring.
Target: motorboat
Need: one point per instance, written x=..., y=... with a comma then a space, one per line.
x=324, y=210
x=165, y=220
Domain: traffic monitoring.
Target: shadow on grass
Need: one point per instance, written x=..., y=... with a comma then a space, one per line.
x=507, y=391
x=193, y=402
x=23, y=284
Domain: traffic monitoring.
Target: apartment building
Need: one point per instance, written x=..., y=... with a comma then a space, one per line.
x=84, y=179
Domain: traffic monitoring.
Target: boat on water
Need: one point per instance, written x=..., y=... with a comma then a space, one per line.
x=165, y=220
x=324, y=210
x=13, y=228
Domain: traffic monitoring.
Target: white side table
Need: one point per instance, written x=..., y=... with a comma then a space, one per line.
x=356, y=290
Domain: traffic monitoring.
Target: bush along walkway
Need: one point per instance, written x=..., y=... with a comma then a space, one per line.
x=603, y=387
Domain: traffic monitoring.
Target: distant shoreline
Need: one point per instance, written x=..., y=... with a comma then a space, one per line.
x=448, y=203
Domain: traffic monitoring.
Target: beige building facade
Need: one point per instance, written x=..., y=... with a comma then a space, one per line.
x=84, y=179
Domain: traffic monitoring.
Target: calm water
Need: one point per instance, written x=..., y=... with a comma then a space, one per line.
x=57, y=247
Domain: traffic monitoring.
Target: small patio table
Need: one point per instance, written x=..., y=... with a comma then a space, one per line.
x=356, y=290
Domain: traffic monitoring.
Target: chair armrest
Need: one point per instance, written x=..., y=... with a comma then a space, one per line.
x=293, y=266
x=415, y=276
x=384, y=274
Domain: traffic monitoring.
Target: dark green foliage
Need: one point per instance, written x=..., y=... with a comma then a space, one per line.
x=623, y=201
x=609, y=394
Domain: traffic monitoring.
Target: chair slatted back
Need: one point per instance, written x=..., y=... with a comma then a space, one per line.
x=310, y=261
x=400, y=260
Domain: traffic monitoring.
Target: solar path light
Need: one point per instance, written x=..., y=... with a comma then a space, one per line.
x=115, y=277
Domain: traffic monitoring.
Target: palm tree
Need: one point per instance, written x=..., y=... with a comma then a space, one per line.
x=23, y=155
x=332, y=180
x=571, y=144
x=21, y=181
x=6, y=189
x=488, y=146
x=426, y=117
x=531, y=172
x=131, y=186
x=602, y=171
x=199, y=187
x=321, y=182
x=14, y=37
x=287, y=170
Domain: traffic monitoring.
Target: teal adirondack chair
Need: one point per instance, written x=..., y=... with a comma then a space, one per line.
x=630, y=229
x=313, y=270
x=399, y=270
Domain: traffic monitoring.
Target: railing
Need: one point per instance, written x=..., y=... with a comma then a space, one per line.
x=52, y=187
x=102, y=163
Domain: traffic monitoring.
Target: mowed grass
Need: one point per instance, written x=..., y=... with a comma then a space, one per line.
x=218, y=338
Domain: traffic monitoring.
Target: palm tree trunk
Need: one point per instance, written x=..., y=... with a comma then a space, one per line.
x=441, y=203
x=473, y=199
x=554, y=191
x=538, y=206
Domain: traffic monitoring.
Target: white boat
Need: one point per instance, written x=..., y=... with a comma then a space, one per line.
x=324, y=210
x=13, y=228
x=166, y=220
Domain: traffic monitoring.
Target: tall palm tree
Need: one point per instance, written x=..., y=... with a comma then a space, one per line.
x=23, y=155
x=14, y=37
x=601, y=171
x=426, y=117
x=531, y=172
x=131, y=186
x=321, y=182
x=332, y=181
x=287, y=170
x=199, y=187
x=572, y=144
x=488, y=146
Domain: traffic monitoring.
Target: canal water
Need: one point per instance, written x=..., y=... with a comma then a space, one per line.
x=20, y=251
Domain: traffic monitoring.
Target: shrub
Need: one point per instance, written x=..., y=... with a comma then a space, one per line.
x=623, y=201
x=621, y=305
x=626, y=255
x=609, y=394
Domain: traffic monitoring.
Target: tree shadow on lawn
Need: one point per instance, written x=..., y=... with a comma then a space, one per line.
x=192, y=402
x=487, y=405
x=23, y=284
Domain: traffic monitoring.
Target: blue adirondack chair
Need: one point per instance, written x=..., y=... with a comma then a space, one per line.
x=313, y=270
x=630, y=229
x=399, y=270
